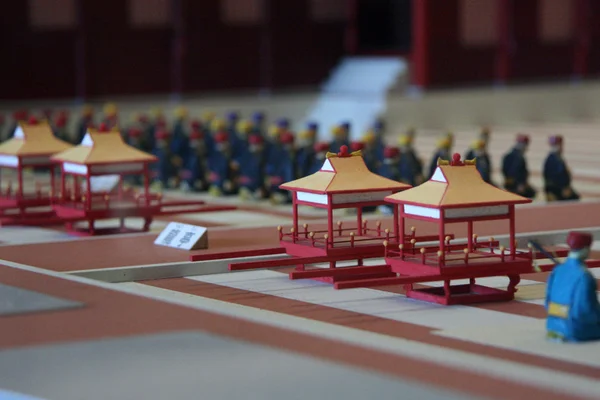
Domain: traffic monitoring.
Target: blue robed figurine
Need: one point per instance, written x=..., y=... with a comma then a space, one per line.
x=411, y=167
x=482, y=160
x=390, y=168
x=305, y=152
x=179, y=139
x=258, y=124
x=280, y=169
x=341, y=136
x=515, y=171
x=557, y=177
x=251, y=179
x=221, y=167
x=193, y=175
x=571, y=299
x=163, y=169
x=379, y=133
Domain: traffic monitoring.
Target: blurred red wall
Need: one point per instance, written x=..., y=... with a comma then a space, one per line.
x=91, y=48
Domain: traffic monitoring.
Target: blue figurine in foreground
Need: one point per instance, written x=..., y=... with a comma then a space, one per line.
x=571, y=300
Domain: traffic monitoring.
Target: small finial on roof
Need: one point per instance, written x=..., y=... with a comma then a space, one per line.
x=33, y=120
x=103, y=127
x=343, y=151
x=456, y=160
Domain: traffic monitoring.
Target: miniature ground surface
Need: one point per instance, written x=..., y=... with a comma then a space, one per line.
x=259, y=335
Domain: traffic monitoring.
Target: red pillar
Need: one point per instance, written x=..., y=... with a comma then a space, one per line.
x=442, y=233
x=330, y=219
x=63, y=188
x=511, y=216
x=395, y=211
x=420, y=45
x=470, y=235
x=400, y=225
x=146, y=185
x=52, y=171
x=505, y=44
x=359, y=219
x=88, y=196
x=20, y=179
x=295, y=214
x=582, y=35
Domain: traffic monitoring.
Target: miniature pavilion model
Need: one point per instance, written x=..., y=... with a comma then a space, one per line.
x=99, y=164
x=343, y=182
x=456, y=193
x=31, y=147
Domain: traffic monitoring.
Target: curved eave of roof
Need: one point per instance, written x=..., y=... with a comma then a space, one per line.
x=464, y=205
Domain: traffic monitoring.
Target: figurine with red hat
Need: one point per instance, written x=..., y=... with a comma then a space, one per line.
x=163, y=170
x=557, y=177
x=571, y=299
x=194, y=172
x=514, y=169
x=280, y=168
x=221, y=168
x=305, y=150
x=251, y=169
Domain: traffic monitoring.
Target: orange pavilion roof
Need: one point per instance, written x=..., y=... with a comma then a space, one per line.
x=454, y=187
x=33, y=140
x=344, y=174
x=103, y=148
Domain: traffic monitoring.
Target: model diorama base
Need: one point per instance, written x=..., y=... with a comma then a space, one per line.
x=110, y=292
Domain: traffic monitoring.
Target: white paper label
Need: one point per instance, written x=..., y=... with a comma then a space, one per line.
x=183, y=236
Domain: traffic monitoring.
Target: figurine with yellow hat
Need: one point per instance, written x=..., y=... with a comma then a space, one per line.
x=370, y=151
x=482, y=160
x=111, y=115
x=443, y=151
x=305, y=151
x=341, y=136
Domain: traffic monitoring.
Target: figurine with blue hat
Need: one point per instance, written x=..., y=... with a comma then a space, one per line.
x=443, y=151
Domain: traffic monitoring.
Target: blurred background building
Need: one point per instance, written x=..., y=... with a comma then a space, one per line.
x=97, y=48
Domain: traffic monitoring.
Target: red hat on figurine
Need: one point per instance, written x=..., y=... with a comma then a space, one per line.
x=134, y=132
x=32, y=120
x=103, y=127
x=391, y=152
x=196, y=134
x=255, y=140
x=287, y=138
x=195, y=124
x=522, y=138
x=555, y=140
x=321, y=147
x=579, y=240
x=356, y=146
x=221, y=137
x=161, y=134
x=61, y=121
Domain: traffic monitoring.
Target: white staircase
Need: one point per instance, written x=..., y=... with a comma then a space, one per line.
x=355, y=92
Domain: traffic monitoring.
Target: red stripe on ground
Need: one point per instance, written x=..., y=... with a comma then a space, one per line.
x=112, y=314
x=364, y=322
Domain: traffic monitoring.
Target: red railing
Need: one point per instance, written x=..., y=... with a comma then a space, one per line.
x=342, y=237
x=435, y=255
